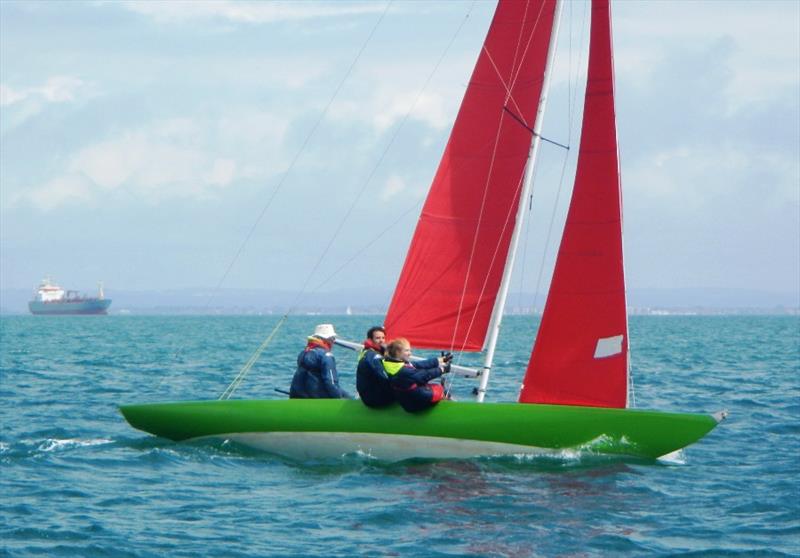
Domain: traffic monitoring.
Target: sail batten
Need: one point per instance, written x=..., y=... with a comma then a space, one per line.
x=452, y=272
x=581, y=352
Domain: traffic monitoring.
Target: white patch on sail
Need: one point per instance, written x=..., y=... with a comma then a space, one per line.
x=608, y=346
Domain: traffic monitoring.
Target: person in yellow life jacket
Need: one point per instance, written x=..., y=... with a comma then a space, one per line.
x=409, y=380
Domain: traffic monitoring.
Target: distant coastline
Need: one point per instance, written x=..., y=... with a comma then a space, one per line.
x=200, y=301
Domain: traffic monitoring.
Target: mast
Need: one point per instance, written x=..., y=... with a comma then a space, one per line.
x=500, y=303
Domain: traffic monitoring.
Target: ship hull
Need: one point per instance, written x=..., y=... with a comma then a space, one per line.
x=92, y=306
x=323, y=428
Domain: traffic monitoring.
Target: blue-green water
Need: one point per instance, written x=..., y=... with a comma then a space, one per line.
x=78, y=481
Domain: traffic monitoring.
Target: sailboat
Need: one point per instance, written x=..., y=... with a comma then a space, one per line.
x=454, y=283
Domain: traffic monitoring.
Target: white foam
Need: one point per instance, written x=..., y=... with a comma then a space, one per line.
x=677, y=457
x=52, y=444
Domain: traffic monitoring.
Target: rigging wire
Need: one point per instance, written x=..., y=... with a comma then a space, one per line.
x=251, y=361
x=367, y=245
x=277, y=189
x=571, y=105
x=246, y=368
x=304, y=145
x=296, y=157
x=377, y=165
x=509, y=88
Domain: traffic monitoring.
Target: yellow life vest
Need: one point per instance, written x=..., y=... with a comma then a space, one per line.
x=392, y=368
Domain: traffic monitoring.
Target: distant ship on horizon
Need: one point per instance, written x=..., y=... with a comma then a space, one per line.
x=51, y=299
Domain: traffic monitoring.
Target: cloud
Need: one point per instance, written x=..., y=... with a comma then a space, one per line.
x=142, y=160
x=699, y=179
x=223, y=171
x=61, y=190
x=429, y=108
x=248, y=12
x=392, y=95
x=168, y=159
x=8, y=96
x=762, y=65
x=18, y=105
x=394, y=185
x=57, y=89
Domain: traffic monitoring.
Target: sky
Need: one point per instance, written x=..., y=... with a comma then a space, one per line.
x=280, y=145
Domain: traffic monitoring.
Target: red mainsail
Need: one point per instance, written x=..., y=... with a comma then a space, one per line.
x=581, y=351
x=449, y=282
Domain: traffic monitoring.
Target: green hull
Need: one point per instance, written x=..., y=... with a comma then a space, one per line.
x=326, y=427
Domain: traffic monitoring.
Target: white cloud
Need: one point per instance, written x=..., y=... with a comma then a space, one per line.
x=394, y=185
x=57, y=89
x=169, y=159
x=703, y=179
x=61, y=190
x=389, y=96
x=248, y=12
x=760, y=37
x=61, y=89
x=430, y=108
x=8, y=96
x=142, y=162
x=223, y=171
x=21, y=104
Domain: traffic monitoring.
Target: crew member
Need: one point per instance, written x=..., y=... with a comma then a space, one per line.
x=372, y=381
x=316, y=375
x=409, y=380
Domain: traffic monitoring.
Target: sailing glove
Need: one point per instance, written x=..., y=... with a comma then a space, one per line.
x=447, y=357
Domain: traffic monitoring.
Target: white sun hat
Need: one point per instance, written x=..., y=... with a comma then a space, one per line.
x=324, y=331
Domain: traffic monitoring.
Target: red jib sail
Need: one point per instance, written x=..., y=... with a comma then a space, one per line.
x=449, y=282
x=581, y=351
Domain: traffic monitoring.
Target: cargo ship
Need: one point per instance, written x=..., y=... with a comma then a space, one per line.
x=51, y=299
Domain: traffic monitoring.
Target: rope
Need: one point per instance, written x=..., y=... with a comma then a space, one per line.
x=368, y=245
x=374, y=170
x=253, y=358
x=246, y=368
x=300, y=151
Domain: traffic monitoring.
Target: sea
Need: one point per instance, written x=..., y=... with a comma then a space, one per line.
x=77, y=480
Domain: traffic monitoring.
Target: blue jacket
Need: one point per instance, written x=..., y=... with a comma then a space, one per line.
x=410, y=383
x=372, y=381
x=316, y=376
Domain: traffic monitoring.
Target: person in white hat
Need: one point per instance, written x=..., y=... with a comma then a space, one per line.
x=316, y=376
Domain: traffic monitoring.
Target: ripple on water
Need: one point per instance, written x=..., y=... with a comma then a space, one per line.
x=78, y=481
